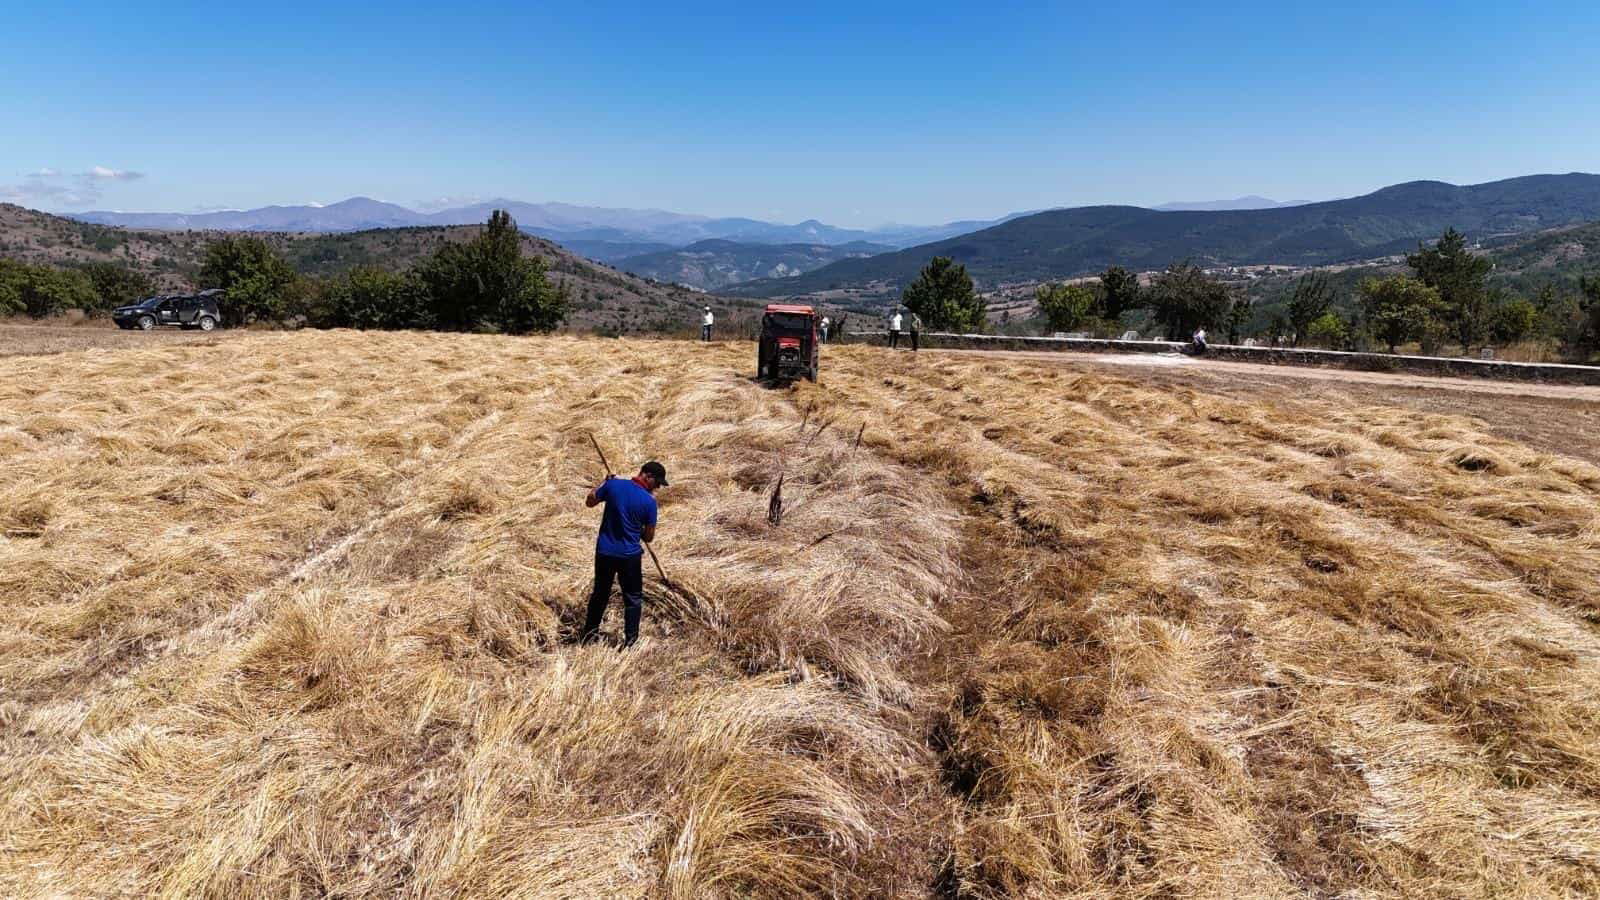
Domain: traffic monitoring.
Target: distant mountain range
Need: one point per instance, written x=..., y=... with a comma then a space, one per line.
x=602, y=233
x=715, y=264
x=1066, y=242
x=1249, y=202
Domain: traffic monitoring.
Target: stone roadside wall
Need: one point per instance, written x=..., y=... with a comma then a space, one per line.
x=1555, y=373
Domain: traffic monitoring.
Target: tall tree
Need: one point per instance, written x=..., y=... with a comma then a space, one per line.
x=1065, y=306
x=1583, y=338
x=259, y=284
x=488, y=282
x=1311, y=300
x=1461, y=280
x=1396, y=308
x=1120, y=292
x=1184, y=298
x=945, y=297
x=1238, y=316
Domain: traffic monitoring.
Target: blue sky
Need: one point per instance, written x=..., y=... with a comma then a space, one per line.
x=855, y=113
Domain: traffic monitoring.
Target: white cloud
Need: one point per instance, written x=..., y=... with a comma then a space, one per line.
x=35, y=190
x=442, y=203
x=43, y=187
x=103, y=173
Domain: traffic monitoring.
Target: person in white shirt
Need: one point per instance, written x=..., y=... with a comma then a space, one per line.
x=706, y=321
x=1199, y=341
x=894, y=328
x=824, y=327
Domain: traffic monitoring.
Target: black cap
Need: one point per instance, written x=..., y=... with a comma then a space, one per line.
x=655, y=470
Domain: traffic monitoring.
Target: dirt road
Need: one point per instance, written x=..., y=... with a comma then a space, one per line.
x=1203, y=367
x=21, y=337
x=1555, y=417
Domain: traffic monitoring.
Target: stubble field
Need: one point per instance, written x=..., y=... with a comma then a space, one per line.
x=292, y=615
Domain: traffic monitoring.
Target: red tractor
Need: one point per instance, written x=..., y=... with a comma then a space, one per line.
x=788, y=347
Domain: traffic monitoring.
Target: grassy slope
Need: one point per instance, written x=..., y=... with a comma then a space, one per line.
x=1062, y=243
x=1045, y=633
x=603, y=297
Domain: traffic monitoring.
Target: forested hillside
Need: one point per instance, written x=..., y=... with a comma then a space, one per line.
x=1068, y=242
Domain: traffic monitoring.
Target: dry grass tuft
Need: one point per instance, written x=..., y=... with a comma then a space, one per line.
x=310, y=631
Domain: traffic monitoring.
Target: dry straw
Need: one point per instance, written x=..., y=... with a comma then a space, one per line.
x=292, y=615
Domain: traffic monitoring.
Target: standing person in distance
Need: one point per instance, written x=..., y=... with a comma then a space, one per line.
x=824, y=328
x=916, y=330
x=628, y=520
x=894, y=328
x=706, y=321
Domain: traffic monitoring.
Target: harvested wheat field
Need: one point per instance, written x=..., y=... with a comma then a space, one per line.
x=291, y=615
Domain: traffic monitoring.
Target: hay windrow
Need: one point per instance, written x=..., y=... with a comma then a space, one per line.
x=1042, y=633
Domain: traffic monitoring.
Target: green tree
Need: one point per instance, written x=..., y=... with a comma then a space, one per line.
x=1515, y=320
x=1461, y=280
x=43, y=291
x=488, y=282
x=1396, y=308
x=259, y=284
x=1328, y=330
x=1310, y=301
x=944, y=296
x=1184, y=298
x=1120, y=292
x=1238, y=316
x=13, y=276
x=1583, y=335
x=367, y=297
x=1065, y=306
x=117, y=285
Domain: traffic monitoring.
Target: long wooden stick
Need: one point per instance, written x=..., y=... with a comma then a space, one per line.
x=653, y=559
x=602, y=453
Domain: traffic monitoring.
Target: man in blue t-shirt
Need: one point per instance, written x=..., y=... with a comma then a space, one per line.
x=630, y=517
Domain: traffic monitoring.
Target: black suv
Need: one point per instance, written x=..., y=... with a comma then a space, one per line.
x=184, y=310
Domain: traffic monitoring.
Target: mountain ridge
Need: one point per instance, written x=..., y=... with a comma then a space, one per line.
x=1068, y=242
x=565, y=223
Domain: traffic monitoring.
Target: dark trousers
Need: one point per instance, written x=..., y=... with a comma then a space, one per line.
x=705, y=332
x=894, y=338
x=620, y=568
x=914, y=334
